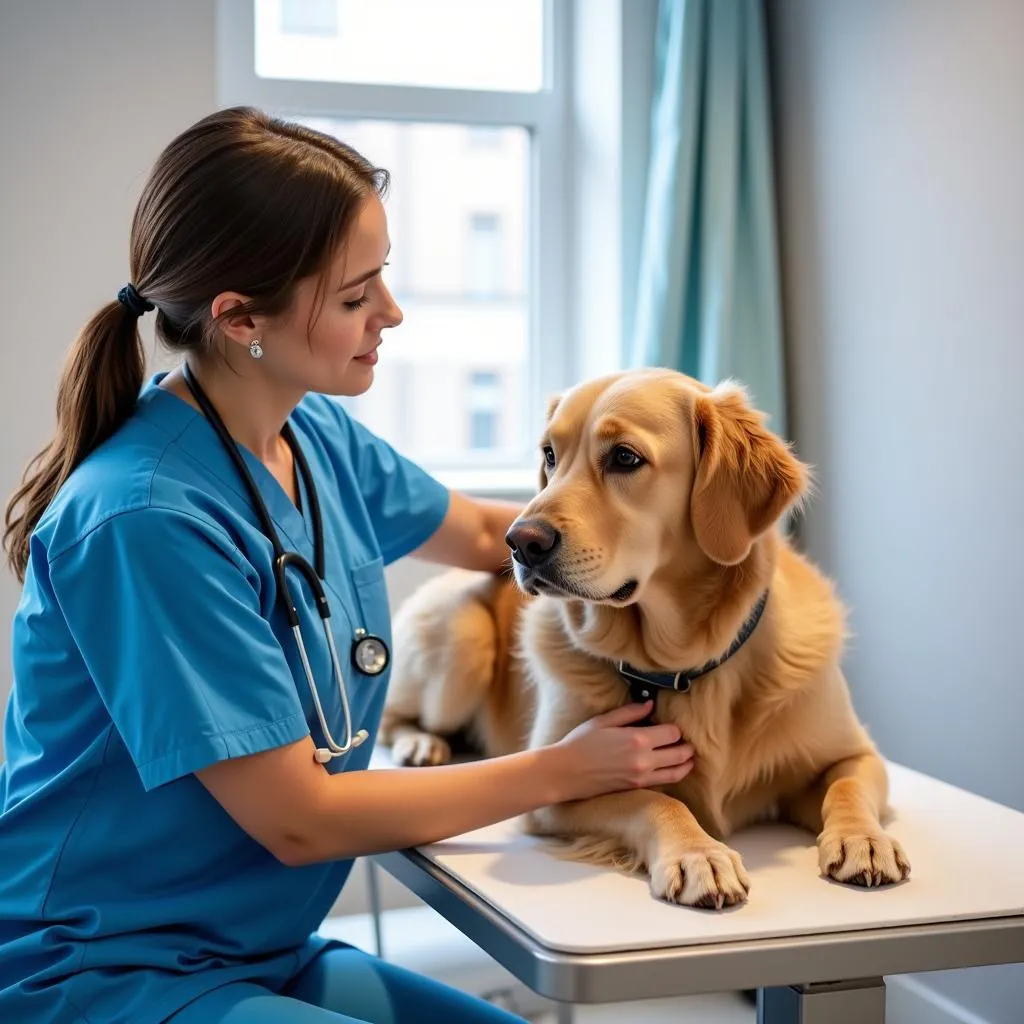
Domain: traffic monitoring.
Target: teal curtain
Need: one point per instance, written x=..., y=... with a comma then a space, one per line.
x=708, y=289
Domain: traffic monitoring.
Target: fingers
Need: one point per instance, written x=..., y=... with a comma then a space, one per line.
x=661, y=735
x=652, y=735
x=625, y=715
x=670, y=757
x=666, y=776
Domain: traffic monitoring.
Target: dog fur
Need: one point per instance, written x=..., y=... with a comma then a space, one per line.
x=659, y=564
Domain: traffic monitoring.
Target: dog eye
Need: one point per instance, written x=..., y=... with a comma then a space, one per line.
x=549, y=456
x=624, y=460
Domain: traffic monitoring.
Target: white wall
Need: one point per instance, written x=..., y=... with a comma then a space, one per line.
x=901, y=149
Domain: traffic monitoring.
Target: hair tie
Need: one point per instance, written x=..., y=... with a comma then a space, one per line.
x=133, y=301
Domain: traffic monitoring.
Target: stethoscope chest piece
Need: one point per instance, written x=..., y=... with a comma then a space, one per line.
x=369, y=653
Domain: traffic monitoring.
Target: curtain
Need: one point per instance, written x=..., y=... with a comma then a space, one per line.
x=708, y=291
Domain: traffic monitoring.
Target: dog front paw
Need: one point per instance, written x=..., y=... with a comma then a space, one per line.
x=865, y=858
x=710, y=877
x=420, y=750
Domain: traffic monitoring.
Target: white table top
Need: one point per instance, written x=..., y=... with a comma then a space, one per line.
x=967, y=855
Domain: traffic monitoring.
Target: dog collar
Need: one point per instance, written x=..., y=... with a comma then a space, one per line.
x=642, y=685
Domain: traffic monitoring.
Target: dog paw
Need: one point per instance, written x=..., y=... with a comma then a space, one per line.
x=420, y=750
x=711, y=877
x=861, y=858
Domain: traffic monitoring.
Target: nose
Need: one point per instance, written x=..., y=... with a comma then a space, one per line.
x=533, y=542
x=393, y=315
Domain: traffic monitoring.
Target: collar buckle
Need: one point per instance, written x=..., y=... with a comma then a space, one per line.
x=680, y=682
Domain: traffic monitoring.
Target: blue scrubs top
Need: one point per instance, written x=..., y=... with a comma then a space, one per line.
x=149, y=644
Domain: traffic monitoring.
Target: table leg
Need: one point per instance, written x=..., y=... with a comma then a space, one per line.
x=565, y=1014
x=842, y=1002
x=373, y=887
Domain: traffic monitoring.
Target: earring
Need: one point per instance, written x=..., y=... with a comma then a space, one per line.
x=256, y=349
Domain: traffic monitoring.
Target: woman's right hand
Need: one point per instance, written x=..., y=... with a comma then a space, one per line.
x=609, y=753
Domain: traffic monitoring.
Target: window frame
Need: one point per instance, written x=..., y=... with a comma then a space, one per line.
x=546, y=114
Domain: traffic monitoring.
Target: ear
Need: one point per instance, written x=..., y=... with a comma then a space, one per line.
x=746, y=476
x=549, y=412
x=235, y=327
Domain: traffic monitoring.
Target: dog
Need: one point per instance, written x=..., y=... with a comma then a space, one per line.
x=654, y=559
x=457, y=679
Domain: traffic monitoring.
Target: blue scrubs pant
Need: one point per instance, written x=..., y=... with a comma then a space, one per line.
x=343, y=986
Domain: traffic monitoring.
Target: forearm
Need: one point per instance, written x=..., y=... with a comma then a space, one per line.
x=368, y=812
x=472, y=535
x=302, y=814
x=497, y=518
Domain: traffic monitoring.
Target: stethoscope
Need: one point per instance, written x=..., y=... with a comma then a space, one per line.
x=369, y=653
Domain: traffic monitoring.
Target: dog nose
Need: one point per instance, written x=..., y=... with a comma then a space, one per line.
x=533, y=542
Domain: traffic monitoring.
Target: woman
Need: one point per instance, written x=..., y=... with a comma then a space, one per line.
x=180, y=804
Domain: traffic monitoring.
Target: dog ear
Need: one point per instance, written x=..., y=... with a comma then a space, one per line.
x=746, y=476
x=549, y=412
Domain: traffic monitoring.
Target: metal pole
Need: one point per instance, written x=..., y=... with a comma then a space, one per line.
x=861, y=1001
x=373, y=885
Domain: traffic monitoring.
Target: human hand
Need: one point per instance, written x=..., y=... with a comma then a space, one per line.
x=608, y=753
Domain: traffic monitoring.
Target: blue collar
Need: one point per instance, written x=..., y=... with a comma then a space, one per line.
x=642, y=685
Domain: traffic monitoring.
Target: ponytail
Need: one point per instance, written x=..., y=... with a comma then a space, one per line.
x=98, y=392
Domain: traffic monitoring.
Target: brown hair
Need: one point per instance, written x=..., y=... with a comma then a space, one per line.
x=241, y=201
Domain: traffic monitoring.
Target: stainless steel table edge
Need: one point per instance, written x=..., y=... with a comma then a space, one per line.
x=714, y=967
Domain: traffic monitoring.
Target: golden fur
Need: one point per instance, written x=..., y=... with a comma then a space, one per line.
x=695, y=528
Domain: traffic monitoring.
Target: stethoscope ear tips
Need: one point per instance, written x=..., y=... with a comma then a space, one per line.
x=322, y=754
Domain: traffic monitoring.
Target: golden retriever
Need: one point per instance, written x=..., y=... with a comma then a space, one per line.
x=655, y=545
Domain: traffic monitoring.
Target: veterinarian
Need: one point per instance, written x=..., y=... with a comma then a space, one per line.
x=185, y=786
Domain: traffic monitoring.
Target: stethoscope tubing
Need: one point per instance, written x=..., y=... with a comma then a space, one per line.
x=284, y=560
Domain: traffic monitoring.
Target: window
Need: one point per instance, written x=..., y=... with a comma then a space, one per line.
x=465, y=295
x=485, y=256
x=485, y=395
x=309, y=17
x=446, y=44
x=482, y=429
x=483, y=137
x=465, y=103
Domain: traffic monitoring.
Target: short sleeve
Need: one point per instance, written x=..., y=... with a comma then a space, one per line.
x=166, y=615
x=406, y=504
